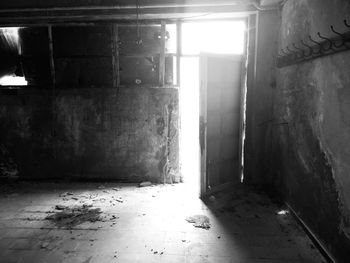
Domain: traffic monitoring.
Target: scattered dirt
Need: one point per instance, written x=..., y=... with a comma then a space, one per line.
x=72, y=216
x=66, y=194
x=120, y=200
x=60, y=207
x=45, y=245
x=144, y=184
x=199, y=221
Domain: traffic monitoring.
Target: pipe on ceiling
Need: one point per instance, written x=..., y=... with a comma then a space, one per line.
x=119, y=7
x=254, y=3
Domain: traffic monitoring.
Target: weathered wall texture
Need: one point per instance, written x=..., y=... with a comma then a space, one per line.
x=83, y=56
x=311, y=130
x=93, y=133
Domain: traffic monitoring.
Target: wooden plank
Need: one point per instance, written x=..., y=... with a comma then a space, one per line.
x=249, y=147
x=162, y=55
x=114, y=57
x=51, y=55
x=243, y=99
x=203, y=124
x=108, y=5
x=147, y=21
x=117, y=55
x=53, y=82
x=82, y=56
x=113, y=15
x=149, y=35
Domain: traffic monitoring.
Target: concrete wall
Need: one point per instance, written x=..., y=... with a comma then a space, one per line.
x=92, y=133
x=311, y=129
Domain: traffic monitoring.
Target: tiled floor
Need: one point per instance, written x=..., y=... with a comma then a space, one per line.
x=149, y=226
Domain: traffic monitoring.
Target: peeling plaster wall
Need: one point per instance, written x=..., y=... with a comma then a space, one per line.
x=93, y=133
x=311, y=131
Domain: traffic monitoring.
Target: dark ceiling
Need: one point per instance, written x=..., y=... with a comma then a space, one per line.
x=113, y=3
x=21, y=12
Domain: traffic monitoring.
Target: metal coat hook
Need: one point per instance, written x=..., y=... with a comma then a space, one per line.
x=306, y=50
x=319, y=45
x=309, y=47
x=328, y=40
x=335, y=32
x=342, y=38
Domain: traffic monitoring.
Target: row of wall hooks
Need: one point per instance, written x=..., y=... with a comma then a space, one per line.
x=312, y=48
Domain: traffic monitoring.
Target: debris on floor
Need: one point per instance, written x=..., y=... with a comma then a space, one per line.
x=199, y=221
x=90, y=198
x=120, y=200
x=45, y=245
x=282, y=212
x=66, y=194
x=73, y=236
x=72, y=216
x=60, y=207
x=144, y=184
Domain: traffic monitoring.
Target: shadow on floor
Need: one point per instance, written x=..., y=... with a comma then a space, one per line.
x=147, y=225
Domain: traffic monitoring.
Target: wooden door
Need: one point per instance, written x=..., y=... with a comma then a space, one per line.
x=220, y=121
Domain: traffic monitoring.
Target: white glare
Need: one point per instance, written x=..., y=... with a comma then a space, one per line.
x=189, y=107
x=13, y=80
x=219, y=37
x=12, y=38
x=283, y=212
x=11, y=35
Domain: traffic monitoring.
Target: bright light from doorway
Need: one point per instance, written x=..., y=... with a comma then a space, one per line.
x=218, y=37
x=13, y=80
x=189, y=108
x=10, y=36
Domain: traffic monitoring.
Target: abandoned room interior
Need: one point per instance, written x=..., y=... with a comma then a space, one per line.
x=174, y=131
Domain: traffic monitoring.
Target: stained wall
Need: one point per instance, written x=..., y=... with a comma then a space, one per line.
x=311, y=128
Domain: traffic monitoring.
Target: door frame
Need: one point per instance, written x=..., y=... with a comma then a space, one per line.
x=203, y=62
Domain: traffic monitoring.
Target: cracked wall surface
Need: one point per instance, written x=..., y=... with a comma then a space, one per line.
x=93, y=134
x=311, y=128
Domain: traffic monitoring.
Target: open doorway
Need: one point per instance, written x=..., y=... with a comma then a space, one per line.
x=214, y=37
x=11, y=73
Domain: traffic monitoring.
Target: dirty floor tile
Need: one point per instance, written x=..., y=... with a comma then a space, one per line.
x=90, y=222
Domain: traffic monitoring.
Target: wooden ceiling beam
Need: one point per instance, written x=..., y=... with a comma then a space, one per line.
x=115, y=15
x=32, y=5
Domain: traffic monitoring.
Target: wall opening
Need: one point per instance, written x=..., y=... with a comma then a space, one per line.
x=13, y=80
x=217, y=37
x=11, y=73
